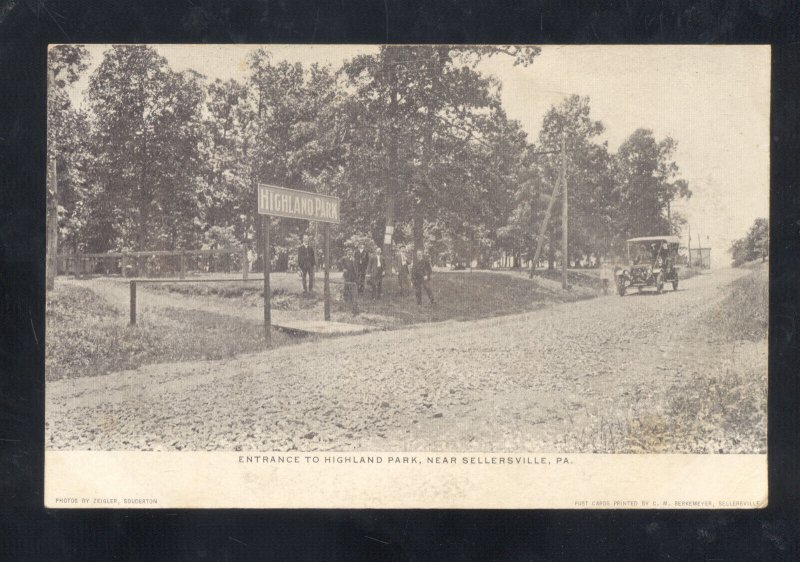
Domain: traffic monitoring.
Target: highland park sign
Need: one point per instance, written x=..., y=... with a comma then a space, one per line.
x=291, y=203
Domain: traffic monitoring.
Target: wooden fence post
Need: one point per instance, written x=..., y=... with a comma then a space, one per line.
x=133, y=302
x=245, y=265
x=183, y=264
x=124, y=265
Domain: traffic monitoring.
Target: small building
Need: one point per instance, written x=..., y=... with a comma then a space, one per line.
x=700, y=257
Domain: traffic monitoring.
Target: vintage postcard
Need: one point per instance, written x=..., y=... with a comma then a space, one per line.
x=441, y=276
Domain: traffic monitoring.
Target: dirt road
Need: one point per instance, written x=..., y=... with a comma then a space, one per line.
x=513, y=383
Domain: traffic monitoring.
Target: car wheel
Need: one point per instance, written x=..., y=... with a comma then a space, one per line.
x=659, y=283
x=675, y=285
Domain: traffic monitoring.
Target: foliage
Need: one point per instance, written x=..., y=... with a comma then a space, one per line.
x=427, y=139
x=413, y=136
x=67, y=129
x=744, y=314
x=147, y=130
x=647, y=183
x=755, y=245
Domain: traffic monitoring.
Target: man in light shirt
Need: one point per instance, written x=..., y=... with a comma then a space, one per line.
x=375, y=271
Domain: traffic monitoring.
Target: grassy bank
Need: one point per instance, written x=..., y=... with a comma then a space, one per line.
x=723, y=414
x=744, y=314
x=86, y=336
x=458, y=296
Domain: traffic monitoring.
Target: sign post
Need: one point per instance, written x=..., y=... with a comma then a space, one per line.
x=294, y=204
x=265, y=224
x=327, y=290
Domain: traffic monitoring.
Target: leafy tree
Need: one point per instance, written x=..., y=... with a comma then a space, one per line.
x=67, y=131
x=229, y=152
x=753, y=246
x=147, y=133
x=647, y=183
x=430, y=140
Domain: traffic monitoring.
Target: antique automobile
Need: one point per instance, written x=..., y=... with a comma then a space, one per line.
x=650, y=263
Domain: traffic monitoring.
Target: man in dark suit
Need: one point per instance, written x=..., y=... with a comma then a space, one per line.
x=361, y=262
x=376, y=270
x=306, y=261
x=348, y=275
x=421, y=276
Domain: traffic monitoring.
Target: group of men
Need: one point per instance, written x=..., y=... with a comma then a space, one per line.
x=361, y=269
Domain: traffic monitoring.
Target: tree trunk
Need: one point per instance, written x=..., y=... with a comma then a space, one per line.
x=419, y=227
x=392, y=152
x=144, y=220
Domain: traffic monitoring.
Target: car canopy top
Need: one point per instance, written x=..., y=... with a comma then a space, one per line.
x=668, y=238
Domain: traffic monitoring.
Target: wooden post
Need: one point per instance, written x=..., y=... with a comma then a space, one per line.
x=327, y=234
x=81, y=265
x=124, y=265
x=265, y=224
x=245, y=265
x=183, y=264
x=564, y=217
x=133, y=302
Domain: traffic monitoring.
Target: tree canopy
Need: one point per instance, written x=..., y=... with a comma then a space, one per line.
x=753, y=246
x=411, y=137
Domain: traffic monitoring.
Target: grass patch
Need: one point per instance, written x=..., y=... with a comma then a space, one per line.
x=727, y=414
x=587, y=280
x=86, y=336
x=744, y=313
x=285, y=288
x=458, y=296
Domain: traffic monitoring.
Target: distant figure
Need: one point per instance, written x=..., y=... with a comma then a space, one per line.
x=421, y=276
x=376, y=271
x=349, y=277
x=403, y=271
x=306, y=261
x=361, y=262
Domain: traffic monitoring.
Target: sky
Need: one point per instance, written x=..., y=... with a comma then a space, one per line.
x=713, y=100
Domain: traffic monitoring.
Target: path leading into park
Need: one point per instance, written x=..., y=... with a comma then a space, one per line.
x=511, y=383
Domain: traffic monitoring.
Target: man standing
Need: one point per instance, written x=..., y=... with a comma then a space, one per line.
x=306, y=261
x=376, y=270
x=361, y=262
x=421, y=276
x=402, y=271
x=349, y=276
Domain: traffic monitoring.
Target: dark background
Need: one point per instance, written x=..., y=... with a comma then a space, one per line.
x=30, y=532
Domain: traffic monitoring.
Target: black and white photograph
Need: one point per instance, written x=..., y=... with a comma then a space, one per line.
x=416, y=255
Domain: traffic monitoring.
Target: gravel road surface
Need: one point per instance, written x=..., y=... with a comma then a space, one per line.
x=512, y=383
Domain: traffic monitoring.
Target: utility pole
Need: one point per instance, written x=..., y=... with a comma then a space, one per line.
x=543, y=228
x=669, y=216
x=700, y=250
x=564, y=216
